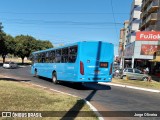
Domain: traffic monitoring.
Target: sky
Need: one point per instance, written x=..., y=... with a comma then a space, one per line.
x=66, y=21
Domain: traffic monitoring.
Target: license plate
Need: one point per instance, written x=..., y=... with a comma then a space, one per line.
x=104, y=64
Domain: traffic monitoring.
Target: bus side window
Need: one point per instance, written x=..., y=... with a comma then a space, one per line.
x=43, y=60
x=64, y=58
x=72, y=54
x=32, y=58
x=39, y=57
x=48, y=57
x=35, y=58
x=73, y=50
x=52, y=57
x=58, y=56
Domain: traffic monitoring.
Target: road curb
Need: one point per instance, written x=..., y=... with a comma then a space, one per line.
x=132, y=87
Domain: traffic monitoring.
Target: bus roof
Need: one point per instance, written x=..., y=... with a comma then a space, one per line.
x=67, y=45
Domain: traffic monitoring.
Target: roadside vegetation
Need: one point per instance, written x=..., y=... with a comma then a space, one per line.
x=139, y=83
x=20, y=96
x=20, y=46
x=16, y=60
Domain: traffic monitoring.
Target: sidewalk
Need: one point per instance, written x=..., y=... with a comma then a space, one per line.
x=152, y=86
x=131, y=87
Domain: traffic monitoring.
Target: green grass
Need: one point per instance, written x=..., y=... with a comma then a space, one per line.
x=138, y=83
x=26, y=97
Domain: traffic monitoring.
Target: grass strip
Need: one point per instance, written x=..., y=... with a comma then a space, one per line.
x=20, y=96
x=138, y=83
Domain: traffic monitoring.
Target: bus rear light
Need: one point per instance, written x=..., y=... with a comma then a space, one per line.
x=110, y=72
x=81, y=68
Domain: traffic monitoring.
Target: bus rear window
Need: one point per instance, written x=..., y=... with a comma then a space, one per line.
x=97, y=50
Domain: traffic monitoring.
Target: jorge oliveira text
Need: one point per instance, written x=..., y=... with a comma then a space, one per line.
x=145, y=114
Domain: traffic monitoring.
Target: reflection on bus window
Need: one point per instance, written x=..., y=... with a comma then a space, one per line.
x=72, y=54
x=58, y=56
x=64, y=58
x=65, y=55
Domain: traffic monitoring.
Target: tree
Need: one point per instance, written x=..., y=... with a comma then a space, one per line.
x=2, y=43
x=10, y=44
x=42, y=45
x=25, y=45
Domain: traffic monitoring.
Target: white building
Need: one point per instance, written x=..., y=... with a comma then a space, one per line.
x=134, y=20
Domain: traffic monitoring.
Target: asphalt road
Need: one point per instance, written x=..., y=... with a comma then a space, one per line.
x=103, y=97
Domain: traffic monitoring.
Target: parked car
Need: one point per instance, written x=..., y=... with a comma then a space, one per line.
x=10, y=65
x=133, y=73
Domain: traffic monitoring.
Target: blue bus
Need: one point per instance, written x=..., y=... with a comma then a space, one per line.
x=88, y=61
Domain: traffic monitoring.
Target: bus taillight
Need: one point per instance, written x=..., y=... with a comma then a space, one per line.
x=81, y=68
x=110, y=72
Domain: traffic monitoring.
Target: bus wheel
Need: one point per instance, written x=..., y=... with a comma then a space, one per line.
x=35, y=73
x=54, y=78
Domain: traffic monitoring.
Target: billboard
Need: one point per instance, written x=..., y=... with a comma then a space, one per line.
x=147, y=36
x=147, y=49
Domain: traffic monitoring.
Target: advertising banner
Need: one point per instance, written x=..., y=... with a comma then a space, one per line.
x=147, y=36
x=149, y=49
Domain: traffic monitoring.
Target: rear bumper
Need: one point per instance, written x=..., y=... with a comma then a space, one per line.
x=6, y=66
x=95, y=79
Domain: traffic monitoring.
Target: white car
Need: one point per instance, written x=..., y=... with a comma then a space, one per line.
x=10, y=65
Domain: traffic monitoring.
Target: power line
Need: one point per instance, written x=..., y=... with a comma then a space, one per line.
x=114, y=19
x=28, y=21
x=60, y=13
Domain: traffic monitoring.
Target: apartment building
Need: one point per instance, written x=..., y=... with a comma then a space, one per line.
x=134, y=20
x=129, y=34
x=123, y=37
x=141, y=48
x=122, y=41
x=148, y=39
x=150, y=16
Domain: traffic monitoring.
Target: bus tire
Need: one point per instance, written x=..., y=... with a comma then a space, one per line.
x=54, y=78
x=35, y=73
